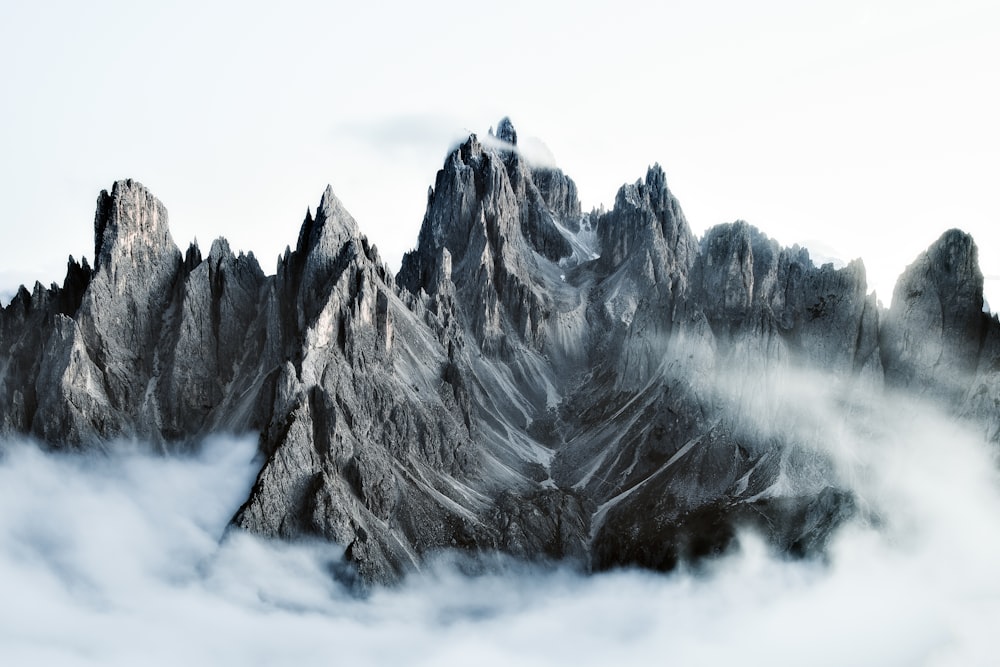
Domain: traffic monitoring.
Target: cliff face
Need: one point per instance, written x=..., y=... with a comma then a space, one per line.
x=934, y=332
x=548, y=383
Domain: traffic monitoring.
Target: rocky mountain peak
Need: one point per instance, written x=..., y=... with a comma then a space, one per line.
x=130, y=225
x=656, y=188
x=219, y=250
x=935, y=326
x=954, y=258
x=651, y=192
x=646, y=215
x=501, y=395
x=560, y=195
x=330, y=229
x=506, y=132
x=468, y=153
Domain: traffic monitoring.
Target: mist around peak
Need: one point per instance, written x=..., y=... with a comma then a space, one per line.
x=116, y=560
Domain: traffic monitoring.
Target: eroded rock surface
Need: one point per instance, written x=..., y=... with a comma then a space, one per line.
x=599, y=387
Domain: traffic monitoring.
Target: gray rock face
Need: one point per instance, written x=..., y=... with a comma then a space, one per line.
x=136, y=263
x=216, y=305
x=981, y=404
x=506, y=132
x=935, y=328
x=486, y=211
x=603, y=388
x=559, y=195
x=820, y=315
x=144, y=345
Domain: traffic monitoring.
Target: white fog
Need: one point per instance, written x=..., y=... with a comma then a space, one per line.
x=123, y=559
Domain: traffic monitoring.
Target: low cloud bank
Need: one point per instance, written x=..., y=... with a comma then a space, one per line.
x=125, y=560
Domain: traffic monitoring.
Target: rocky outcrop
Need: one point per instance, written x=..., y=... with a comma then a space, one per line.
x=367, y=443
x=560, y=196
x=216, y=305
x=819, y=315
x=486, y=211
x=604, y=388
x=121, y=316
x=24, y=350
x=981, y=403
x=934, y=330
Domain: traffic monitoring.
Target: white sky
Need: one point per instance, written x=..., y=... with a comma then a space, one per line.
x=869, y=126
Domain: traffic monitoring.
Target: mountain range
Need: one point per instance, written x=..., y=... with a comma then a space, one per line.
x=601, y=387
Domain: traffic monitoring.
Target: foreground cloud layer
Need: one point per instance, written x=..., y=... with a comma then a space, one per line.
x=125, y=560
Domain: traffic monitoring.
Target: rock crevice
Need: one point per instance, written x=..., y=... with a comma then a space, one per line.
x=603, y=388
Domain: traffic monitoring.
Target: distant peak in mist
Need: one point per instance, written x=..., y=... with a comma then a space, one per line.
x=822, y=253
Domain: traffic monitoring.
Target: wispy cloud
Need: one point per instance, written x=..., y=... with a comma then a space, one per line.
x=532, y=149
x=419, y=134
x=427, y=134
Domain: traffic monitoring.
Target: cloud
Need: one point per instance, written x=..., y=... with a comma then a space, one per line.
x=419, y=135
x=125, y=559
x=532, y=149
x=422, y=135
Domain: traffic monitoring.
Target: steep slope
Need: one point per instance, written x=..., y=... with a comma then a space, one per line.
x=663, y=433
x=37, y=339
x=602, y=387
x=142, y=346
x=366, y=441
x=934, y=330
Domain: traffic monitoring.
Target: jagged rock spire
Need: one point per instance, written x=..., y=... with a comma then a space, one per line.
x=506, y=132
x=935, y=326
x=130, y=226
x=504, y=397
x=332, y=226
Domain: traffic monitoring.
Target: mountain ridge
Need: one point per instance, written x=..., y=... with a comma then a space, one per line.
x=535, y=380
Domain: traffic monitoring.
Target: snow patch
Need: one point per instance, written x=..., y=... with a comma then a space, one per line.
x=583, y=242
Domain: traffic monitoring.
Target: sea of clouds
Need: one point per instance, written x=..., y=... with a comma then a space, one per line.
x=125, y=559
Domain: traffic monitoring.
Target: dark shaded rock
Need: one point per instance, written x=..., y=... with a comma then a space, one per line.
x=934, y=330
x=559, y=193
x=601, y=388
x=505, y=131
x=487, y=213
x=121, y=314
x=547, y=524
x=646, y=214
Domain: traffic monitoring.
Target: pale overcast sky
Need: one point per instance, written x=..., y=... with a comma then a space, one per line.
x=865, y=127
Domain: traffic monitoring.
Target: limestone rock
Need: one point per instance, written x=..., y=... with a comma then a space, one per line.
x=603, y=388
x=934, y=329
